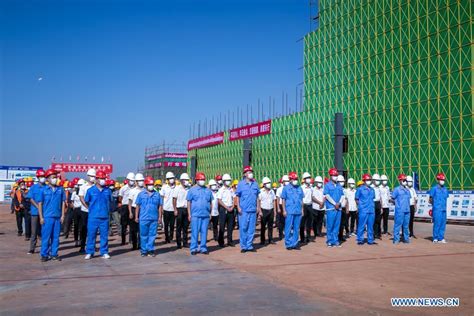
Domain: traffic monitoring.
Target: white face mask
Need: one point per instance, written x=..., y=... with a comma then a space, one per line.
x=201, y=183
x=219, y=182
x=140, y=184
x=285, y=183
x=186, y=183
x=250, y=175
x=227, y=183
x=410, y=184
x=377, y=182
x=171, y=181
x=319, y=184
x=42, y=179
x=334, y=178
x=307, y=181
x=53, y=181
x=352, y=185
x=384, y=182
x=294, y=182
x=111, y=187
x=441, y=182
x=131, y=183
x=404, y=183
x=214, y=187
x=268, y=185
x=341, y=183
x=22, y=187
x=101, y=182
x=150, y=187
x=92, y=179
x=368, y=182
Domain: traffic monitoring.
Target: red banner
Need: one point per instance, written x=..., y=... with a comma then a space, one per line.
x=81, y=167
x=211, y=140
x=167, y=155
x=253, y=130
x=167, y=164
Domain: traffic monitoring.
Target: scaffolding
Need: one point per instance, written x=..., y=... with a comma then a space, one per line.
x=165, y=157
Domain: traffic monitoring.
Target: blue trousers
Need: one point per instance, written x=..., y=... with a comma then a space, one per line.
x=365, y=221
x=292, y=230
x=50, y=236
x=94, y=225
x=439, y=224
x=247, y=222
x=199, y=226
x=333, y=221
x=148, y=235
x=401, y=220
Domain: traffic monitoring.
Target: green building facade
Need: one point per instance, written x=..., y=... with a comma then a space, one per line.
x=401, y=74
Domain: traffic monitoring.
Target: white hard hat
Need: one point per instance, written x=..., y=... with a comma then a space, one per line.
x=212, y=182
x=91, y=172
x=184, y=176
x=169, y=175
x=384, y=178
x=131, y=176
x=318, y=179
x=306, y=175
x=266, y=180
x=409, y=179
x=226, y=177
x=351, y=181
x=81, y=182
x=375, y=176
x=340, y=178
x=285, y=178
x=139, y=177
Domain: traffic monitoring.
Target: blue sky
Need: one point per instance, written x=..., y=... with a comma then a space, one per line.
x=120, y=75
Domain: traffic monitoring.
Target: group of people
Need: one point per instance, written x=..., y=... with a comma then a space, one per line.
x=297, y=207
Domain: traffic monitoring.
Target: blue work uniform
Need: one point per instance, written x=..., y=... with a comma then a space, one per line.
x=200, y=198
x=99, y=207
x=293, y=196
x=365, y=195
x=247, y=191
x=401, y=196
x=52, y=199
x=35, y=194
x=439, y=195
x=333, y=215
x=149, y=203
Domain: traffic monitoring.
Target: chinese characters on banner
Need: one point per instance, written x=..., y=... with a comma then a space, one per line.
x=81, y=167
x=211, y=140
x=167, y=155
x=167, y=164
x=253, y=130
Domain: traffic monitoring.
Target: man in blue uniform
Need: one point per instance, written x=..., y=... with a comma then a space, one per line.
x=149, y=210
x=401, y=197
x=246, y=200
x=334, y=195
x=98, y=199
x=292, y=196
x=364, y=197
x=34, y=194
x=199, y=200
x=438, y=199
x=51, y=210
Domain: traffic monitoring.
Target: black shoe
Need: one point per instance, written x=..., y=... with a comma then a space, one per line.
x=373, y=243
x=30, y=252
x=66, y=236
x=151, y=254
x=193, y=253
x=252, y=250
x=262, y=243
x=143, y=255
x=230, y=244
x=123, y=243
x=185, y=245
x=243, y=251
x=56, y=258
x=272, y=242
x=413, y=236
x=179, y=246
x=82, y=250
x=19, y=234
x=297, y=248
x=205, y=252
x=27, y=239
x=221, y=245
x=289, y=248
x=44, y=259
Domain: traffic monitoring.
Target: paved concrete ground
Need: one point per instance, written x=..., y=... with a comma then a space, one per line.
x=353, y=279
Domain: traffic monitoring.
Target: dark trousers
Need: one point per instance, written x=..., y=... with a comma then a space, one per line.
x=385, y=213
x=267, y=224
x=319, y=222
x=35, y=231
x=27, y=223
x=314, y=217
x=19, y=221
x=412, y=217
x=215, y=225
x=83, y=217
x=134, y=230
x=352, y=218
x=378, y=220
x=226, y=219
x=124, y=219
x=280, y=222
x=305, y=225
x=169, y=218
x=67, y=222
x=344, y=225
x=182, y=225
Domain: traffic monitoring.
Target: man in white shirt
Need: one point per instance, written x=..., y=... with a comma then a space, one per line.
x=169, y=214
x=132, y=204
x=306, y=222
x=280, y=219
x=351, y=204
x=378, y=207
x=180, y=205
x=318, y=206
x=76, y=210
x=266, y=207
x=124, y=193
x=225, y=199
x=214, y=209
x=344, y=212
x=84, y=214
x=413, y=202
x=385, y=202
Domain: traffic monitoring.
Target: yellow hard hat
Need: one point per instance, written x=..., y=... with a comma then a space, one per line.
x=158, y=182
x=235, y=182
x=359, y=183
x=274, y=185
x=15, y=185
x=65, y=184
x=117, y=185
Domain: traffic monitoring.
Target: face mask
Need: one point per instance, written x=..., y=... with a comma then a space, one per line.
x=377, y=182
x=171, y=181
x=53, y=181
x=307, y=181
x=410, y=184
x=92, y=179
x=111, y=187
x=214, y=187
x=441, y=182
x=227, y=183
x=285, y=183
x=101, y=182
x=76, y=187
x=150, y=187
x=334, y=179
x=140, y=184
x=201, y=183
x=341, y=183
x=219, y=182
x=404, y=183
x=131, y=183
x=268, y=185
x=384, y=182
x=352, y=185
x=294, y=182
x=42, y=180
x=70, y=189
x=368, y=182
x=250, y=176
x=22, y=187
x=186, y=183
x=319, y=184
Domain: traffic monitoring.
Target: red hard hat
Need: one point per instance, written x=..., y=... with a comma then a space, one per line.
x=247, y=169
x=218, y=177
x=366, y=177
x=125, y=181
x=50, y=172
x=333, y=172
x=430, y=212
x=40, y=173
x=281, y=180
x=29, y=184
x=326, y=180
x=200, y=176
x=100, y=175
x=440, y=176
x=70, y=185
x=149, y=181
x=20, y=180
x=402, y=177
x=293, y=175
x=312, y=181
